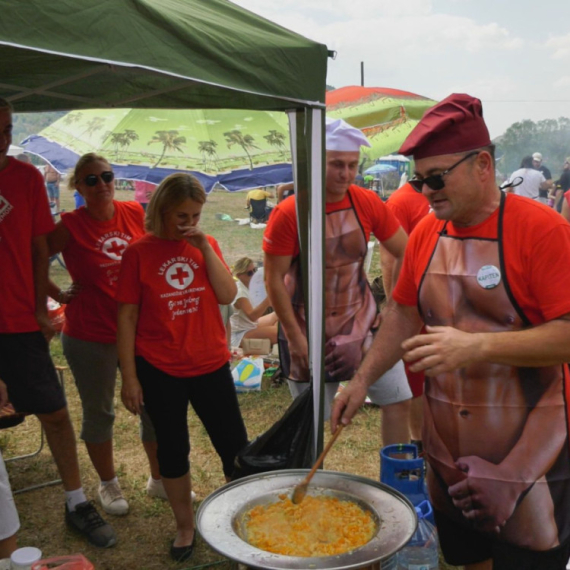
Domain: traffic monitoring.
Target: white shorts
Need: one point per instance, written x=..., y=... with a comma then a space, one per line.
x=9, y=521
x=390, y=388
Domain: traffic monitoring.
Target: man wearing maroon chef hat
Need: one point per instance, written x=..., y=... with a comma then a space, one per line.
x=482, y=271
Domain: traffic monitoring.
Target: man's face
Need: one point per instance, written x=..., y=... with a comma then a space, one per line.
x=5, y=135
x=460, y=198
x=341, y=170
x=536, y=163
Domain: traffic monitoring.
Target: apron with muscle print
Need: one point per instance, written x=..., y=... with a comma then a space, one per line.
x=492, y=418
x=350, y=308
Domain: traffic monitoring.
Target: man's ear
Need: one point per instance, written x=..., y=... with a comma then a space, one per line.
x=485, y=166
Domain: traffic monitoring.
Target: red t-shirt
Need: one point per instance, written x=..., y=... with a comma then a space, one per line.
x=536, y=244
x=180, y=329
x=408, y=206
x=93, y=258
x=280, y=237
x=24, y=215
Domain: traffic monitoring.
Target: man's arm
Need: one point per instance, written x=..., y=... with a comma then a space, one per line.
x=444, y=349
x=399, y=322
x=40, y=267
x=391, y=258
x=276, y=267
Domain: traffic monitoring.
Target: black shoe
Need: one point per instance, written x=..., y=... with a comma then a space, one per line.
x=86, y=520
x=182, y=553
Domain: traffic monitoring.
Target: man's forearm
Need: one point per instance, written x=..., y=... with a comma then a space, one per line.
x=540, y=439
x=544, y=345
x=387, y=266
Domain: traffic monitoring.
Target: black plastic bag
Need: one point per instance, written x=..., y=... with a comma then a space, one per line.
x=288, y=444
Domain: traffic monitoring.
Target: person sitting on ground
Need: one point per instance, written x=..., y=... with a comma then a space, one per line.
x=92, y=240
x=249, y=321
x=172, y=341
x=258, y=195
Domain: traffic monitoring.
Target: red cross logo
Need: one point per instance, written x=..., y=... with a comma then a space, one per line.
x=114, y=248
x=179, y=275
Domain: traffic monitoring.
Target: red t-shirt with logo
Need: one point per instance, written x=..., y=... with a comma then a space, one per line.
x=93, y=257
x=280, y=237
x=408, y=206
x=24, y=215
x=179, y=329
x=536, y=243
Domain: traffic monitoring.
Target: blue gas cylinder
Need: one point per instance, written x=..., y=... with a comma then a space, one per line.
x=405, y=475
x=422, y=551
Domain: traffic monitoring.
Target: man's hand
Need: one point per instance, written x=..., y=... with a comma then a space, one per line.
x=347, y=403
x=3, y=394
x=342, y=356
x=45, y=325
x=488, y=495
x=442, y=349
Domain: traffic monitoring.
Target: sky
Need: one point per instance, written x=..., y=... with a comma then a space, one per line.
x=512, y=54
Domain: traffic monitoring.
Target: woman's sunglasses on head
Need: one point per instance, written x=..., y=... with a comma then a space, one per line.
x=436, y=181
x=106, y=177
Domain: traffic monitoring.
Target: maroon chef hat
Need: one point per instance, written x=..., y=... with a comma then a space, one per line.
x=455, y=124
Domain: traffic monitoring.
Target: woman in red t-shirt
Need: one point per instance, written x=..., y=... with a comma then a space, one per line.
x=92, y=240
x=172, y=341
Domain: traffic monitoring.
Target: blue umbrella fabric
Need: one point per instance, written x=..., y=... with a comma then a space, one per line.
x=380, y=169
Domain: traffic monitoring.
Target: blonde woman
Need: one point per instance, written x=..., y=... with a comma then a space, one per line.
x=249, y=321
x=172, y=341
x=92, y=240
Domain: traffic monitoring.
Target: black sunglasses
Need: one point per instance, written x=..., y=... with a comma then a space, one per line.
x=106, y=177
x=251, y=271
x=435, y=181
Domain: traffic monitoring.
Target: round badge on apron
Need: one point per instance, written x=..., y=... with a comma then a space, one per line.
x=488, y=276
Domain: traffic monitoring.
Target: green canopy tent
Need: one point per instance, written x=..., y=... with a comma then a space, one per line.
x=179, y=54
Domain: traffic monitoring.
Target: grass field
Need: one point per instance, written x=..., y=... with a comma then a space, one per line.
x=144, y=534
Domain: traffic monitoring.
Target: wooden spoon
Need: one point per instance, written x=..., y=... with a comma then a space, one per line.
x=300, y=490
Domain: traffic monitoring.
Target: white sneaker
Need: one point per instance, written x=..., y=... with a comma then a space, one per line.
x=112, y=500
x=155, y=488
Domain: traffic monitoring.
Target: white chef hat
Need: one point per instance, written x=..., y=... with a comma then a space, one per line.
x=343, y=137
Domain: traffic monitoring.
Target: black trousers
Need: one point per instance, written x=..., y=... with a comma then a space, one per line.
x=214, y=400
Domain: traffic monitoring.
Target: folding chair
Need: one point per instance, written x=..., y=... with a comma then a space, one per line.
x=10, y=418
x=258, y=211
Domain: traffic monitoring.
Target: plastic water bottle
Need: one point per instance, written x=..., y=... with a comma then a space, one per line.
x=422, y=552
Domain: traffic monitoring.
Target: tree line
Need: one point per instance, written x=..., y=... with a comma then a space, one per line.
x=550, y=137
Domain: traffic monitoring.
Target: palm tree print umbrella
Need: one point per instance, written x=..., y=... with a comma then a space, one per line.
x=237, y=149
x=386, y=116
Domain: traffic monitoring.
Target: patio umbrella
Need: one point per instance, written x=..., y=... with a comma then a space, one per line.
x=378, y=169
x=238, y=149
x=386, y=116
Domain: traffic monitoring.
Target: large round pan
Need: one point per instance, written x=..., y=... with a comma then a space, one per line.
x=220, y=518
